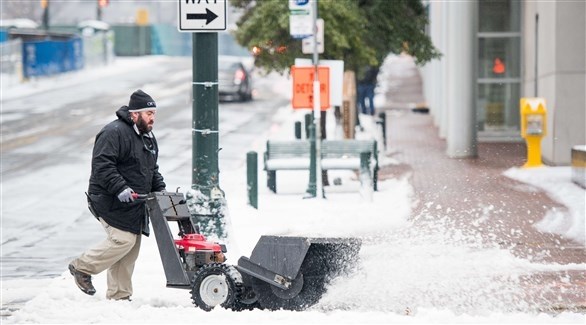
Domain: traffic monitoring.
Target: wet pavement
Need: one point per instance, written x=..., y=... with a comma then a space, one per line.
x=475, y=195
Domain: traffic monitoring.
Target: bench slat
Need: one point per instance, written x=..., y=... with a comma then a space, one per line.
x=335, y=154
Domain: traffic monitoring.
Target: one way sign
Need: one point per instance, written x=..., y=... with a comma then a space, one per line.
x=202, y=15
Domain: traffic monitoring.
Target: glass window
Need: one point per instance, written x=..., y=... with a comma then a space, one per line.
x=499, y=57
x=499, y=16
x=499, y=66
x=498, y=107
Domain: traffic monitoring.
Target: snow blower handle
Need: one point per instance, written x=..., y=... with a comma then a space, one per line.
x=137, y=196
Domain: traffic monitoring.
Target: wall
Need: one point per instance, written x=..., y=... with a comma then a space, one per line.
x=561, y=73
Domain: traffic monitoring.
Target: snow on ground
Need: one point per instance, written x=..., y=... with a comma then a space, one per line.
x=556, y=181
x=405, y=275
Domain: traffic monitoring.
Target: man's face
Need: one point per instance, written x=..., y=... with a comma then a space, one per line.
x=145, y=121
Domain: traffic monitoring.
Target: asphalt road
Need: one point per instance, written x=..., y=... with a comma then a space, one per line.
x=46, y=144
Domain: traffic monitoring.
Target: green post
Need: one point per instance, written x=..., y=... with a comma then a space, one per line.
x=365, y=167
x=252, y=178
x=297, y=130
x=383, y=122
x=209, y=200
x=365, y=161
x=308, y=122
x=312, y=186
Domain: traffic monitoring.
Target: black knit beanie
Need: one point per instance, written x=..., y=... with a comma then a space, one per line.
x=140, y=102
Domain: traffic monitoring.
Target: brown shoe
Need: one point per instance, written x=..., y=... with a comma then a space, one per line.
x=83, y=281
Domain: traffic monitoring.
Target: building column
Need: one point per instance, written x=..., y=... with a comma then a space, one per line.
x=461, y=55
x=434, y=81
x=445, y=100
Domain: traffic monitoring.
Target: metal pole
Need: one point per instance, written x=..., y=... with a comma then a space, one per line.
x=252, y=178
x=311, y=187
x=298, y=130
x=308, y=122
x=205, y=172
x=536, y=51
x=317, y=105
x=99, y=13
x=45, y=19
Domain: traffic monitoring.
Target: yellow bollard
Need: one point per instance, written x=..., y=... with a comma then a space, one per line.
x=533, y=128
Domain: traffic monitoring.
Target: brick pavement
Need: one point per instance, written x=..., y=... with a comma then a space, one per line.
x=468, y=189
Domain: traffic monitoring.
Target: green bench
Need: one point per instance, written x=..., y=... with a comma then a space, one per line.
x=335, y=154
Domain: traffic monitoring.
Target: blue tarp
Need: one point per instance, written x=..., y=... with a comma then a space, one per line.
x=41, y=58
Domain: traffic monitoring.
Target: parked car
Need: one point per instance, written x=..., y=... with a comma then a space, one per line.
x=235, y=81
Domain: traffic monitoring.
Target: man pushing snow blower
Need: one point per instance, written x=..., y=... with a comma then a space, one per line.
x=124, y=160
x=281, y=273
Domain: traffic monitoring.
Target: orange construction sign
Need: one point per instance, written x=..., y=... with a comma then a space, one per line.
x=303, y=86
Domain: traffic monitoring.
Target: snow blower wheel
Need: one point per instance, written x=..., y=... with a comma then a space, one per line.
x=215, y=284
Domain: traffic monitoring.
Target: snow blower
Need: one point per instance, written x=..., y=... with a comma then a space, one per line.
x=282, y=272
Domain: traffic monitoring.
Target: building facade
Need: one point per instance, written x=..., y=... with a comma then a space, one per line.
x=498, y=51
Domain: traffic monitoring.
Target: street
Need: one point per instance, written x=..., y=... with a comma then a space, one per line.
x=48, y=136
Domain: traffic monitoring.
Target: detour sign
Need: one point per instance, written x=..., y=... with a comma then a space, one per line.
x=303, y=86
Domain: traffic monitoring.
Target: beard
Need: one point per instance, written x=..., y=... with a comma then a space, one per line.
x=143, y=126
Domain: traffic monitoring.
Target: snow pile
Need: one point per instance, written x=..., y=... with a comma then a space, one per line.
x=557, y=183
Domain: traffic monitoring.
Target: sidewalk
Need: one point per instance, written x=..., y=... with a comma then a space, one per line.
x=475, y=196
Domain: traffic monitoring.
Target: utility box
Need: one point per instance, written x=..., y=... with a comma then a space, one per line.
x=533, y=128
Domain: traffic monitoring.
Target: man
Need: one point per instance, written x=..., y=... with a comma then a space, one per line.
x=124, y=162
x=366, y=86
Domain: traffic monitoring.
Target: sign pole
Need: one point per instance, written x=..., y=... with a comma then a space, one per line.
x=208, y=202
x=317, y=108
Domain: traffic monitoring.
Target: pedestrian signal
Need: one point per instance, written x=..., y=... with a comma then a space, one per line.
x=499, y=66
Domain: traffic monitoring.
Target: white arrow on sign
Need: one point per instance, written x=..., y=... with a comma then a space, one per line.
x=202, y=16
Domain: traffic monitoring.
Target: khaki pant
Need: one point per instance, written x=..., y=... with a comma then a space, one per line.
x=117, y=253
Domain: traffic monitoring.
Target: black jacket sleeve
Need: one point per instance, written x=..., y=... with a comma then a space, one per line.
x=158, y=182
x=106, y=154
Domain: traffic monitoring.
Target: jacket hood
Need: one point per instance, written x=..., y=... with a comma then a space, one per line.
x=123, y=114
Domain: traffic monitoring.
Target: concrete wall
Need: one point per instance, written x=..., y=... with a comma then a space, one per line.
x=561, y=72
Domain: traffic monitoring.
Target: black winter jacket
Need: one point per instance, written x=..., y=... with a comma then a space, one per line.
x=122, y=158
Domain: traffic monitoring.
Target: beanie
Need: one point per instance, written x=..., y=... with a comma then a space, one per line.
x=140, y=102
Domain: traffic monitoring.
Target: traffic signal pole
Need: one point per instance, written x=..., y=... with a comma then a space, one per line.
x=45, y=18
